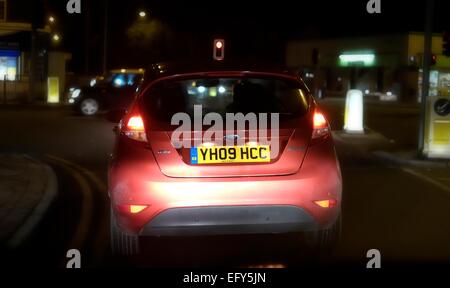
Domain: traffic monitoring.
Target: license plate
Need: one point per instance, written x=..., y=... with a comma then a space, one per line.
x=230, y=154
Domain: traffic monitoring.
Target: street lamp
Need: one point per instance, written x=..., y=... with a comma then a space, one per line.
x=56, y=37
x=51, y=19
x=142, y=14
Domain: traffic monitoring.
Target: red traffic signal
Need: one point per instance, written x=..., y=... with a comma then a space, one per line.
x=219, y=49
x=433, y=60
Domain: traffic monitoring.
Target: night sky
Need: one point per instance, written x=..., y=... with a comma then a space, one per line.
x=252, y=29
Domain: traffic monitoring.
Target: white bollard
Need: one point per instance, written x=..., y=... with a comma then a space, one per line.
x=354, y=112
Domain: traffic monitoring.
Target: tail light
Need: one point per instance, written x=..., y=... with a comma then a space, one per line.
x=134, y=128
x=320, y=126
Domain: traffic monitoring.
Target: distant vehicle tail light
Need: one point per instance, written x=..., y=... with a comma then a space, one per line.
x=320, y=125
x=134, y=128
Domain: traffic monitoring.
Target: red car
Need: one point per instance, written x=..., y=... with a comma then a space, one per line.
x=234, y=183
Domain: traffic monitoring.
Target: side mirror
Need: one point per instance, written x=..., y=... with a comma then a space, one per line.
x=115, y=116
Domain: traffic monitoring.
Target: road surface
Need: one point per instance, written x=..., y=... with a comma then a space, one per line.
x=401, y=211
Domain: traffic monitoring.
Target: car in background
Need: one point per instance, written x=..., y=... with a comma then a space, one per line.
x=158, y=189
x=115, y=91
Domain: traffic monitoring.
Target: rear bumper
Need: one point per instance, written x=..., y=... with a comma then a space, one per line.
x=223, y=220
x=174, y=205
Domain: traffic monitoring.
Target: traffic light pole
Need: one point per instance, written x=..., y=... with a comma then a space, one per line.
x=425, y=74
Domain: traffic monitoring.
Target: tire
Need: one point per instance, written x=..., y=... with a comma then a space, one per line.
x=122, y=244
x=313, y=247
x=89, y=107
x=323, y=242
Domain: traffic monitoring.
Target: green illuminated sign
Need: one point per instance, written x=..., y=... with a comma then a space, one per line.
x=366, y=59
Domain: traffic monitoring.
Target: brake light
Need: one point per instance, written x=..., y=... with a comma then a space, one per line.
x=135, y=129
x=135, y=123
x=320, y=125
x=319, y=120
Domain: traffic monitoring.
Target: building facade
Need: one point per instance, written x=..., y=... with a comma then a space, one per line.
x=15, y=56
x=377, y=65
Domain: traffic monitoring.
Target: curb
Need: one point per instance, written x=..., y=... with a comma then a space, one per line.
x=368, y=134
x=39, y=210
x=365, y=142
x=392, y=158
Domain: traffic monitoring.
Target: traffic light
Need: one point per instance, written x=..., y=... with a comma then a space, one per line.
x=433, y=60
x=446, y=43
x=219, y=49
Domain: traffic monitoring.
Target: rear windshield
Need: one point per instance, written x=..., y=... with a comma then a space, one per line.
x=226, y=95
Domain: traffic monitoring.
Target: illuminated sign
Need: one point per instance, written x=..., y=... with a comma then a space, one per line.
x=53, y=90
x=437, y=133
x=9, y=64
x=363, y=59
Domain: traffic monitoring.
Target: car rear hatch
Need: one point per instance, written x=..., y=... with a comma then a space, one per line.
x=287, y=140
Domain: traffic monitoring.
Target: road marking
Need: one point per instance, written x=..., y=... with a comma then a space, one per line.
x=38, y=212
x=427, y=179
x=84, y=222
x=99, y=242
x=99, y=183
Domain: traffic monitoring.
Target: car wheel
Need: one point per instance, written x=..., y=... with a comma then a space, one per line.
x=329, y=238
x=122, y=244
x=323, y=242
x=314, y=246
x=89, y=107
